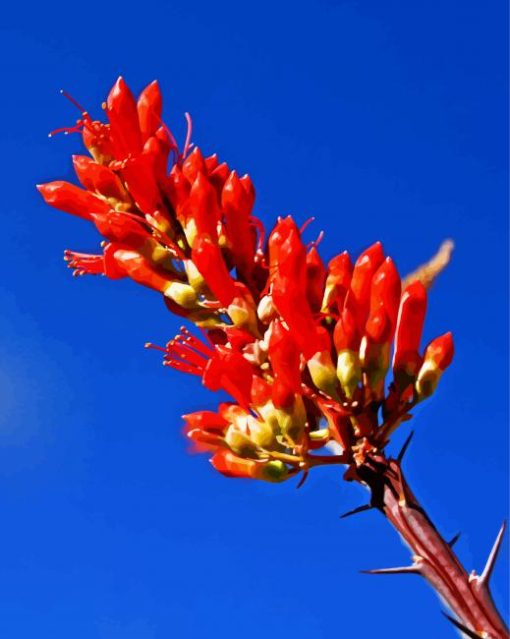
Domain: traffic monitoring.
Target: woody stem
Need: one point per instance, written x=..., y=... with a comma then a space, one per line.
x=467, y=596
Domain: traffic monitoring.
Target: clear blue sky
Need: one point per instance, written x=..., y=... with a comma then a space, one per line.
x=385, y=120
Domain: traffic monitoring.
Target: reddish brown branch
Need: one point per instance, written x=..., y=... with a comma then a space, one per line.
x=467, y=595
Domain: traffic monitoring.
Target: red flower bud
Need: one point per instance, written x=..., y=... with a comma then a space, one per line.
x=230, y=465
x=70, y=198
x=193, y=165
x=364, y=270
x=202, y=207
x=346, y=335
x=438, y=356
x=178, y=190
x=285, y=361
x=205, y=420
x=208, y=259
x=158, y=149
x=138, y=174
x=338, y=281
x=440, y=351
x=211, y=162
x=411, y=317
x=219, y=176
x=315, y=279
x=149, y=107
x=384, y=303
x=123, y=117
x=237, y=203
x=279, y=234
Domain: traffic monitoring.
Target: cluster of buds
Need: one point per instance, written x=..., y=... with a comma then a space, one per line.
x=303, y=349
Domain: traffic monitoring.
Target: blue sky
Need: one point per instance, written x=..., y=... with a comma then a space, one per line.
x=385, y=121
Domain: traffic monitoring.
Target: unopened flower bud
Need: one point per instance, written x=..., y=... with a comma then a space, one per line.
x=195, y=278
x=274, y=471
x=323, y=373
x=230, y=465
x=348, y=371
x=375, y=360
x=242, y=313
x=438, y=356
x=288, y=423
x=183, y=294
x=240, y=442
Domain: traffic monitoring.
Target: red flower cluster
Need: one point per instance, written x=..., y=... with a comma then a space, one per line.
x=303, y=348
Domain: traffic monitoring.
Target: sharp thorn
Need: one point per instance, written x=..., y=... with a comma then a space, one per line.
x=454, y=540
x=493, y=555
x=304, y=477
x=401, y=570
x=404, y=448
x=462, y=627
x=355, y=511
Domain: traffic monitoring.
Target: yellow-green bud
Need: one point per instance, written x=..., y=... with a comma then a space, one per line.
x=240, y=442
x=323, y=374
x=242, y=313
x=375, y=361
x=274, y=471
x=195, y=278
x=428, y=379
x=348, y=371
x=182, y=294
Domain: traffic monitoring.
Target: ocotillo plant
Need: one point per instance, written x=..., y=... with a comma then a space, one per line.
x=303, y=349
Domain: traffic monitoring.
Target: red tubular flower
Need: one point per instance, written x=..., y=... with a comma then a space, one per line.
x=208, y=258
x=364, y=270
x=99, y=178
x=315, y=279
x=384, y=303
x=411, y=316
x=118, y=227
x=97, y=140
x=142, y=270
x=285, y=361
x=338, y=281
x=106, y=264
x=123, y=117
x=71, y=199
x=230, y=371
x=237, y=199
x=84, y=263
x=149, y=107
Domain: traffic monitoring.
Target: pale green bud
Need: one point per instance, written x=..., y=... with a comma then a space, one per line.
x=348, y=371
